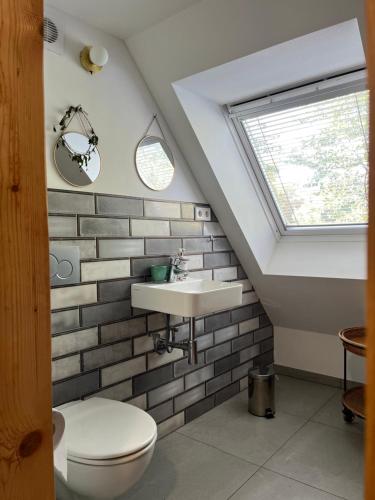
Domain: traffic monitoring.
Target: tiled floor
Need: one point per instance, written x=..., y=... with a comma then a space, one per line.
x=306, y=453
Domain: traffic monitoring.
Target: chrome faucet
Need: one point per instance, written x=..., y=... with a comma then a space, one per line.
x=179, y=264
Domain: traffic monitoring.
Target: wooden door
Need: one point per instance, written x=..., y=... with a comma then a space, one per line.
x=26, y=466
x=370, y=393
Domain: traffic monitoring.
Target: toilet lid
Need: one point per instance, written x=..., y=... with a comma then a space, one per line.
x=99, y=429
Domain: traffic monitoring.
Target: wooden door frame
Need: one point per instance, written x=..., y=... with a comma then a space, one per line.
x=26, y=463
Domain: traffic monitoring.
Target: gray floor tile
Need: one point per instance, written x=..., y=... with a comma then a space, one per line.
x=299, y=397
x=229, y=427
x=185, y=469
x=266, y=485
x=325, y=458
x=331, y=414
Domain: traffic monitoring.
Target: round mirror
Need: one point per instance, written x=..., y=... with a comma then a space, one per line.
x=154, y=162
x=77, y=161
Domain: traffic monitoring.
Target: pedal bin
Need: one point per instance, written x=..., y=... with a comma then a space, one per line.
x=262, y=392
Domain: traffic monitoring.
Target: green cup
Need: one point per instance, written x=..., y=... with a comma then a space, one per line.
x=159, y=274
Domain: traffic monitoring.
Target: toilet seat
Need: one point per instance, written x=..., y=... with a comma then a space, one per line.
x=103, y=432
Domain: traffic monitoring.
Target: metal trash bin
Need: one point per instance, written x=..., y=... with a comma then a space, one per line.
x=262, y=392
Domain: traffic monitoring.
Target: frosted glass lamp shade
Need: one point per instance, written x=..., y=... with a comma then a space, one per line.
x=98, y=56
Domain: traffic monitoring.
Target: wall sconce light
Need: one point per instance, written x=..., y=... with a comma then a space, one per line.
x=94, y=58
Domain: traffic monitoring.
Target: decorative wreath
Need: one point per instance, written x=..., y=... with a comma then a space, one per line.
x=81, y=158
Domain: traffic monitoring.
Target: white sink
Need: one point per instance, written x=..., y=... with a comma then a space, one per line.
x=189, y=298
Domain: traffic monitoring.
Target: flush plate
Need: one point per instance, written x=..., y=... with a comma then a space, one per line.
x=64, y=265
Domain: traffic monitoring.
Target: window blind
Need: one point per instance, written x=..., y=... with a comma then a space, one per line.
x=313, y=159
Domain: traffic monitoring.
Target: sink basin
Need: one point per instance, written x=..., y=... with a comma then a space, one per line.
x=189, y=298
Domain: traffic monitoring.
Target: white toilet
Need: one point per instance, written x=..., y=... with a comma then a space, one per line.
x=109, y=446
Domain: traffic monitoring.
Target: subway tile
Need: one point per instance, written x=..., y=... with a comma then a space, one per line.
x=217, y=321
x=242, y=370
x=139, y=401
x=263, y=333
x=201, y=275
x=218, y=383
x=59, y=226
x=156, y=321
x=70, y=203
x=249, y=353
x=199, y=327
x=216, y=259
x=205, y=341
x=162, y=209
x=226, y=333
x=195, y=262
x=242, y=313
x=221, y=244
x=170, y=425
x=233, y=259
x=118, y=289
x=264, y=320
x=246, y=285
x=151, y=379
x=163, y=246
x=118, y=205
x=143, y=344
x=225, y=274
x=165, y=392
x=75, y=341
x=264, y=359
x=199, y=376
x=242, y=342
x=65, y=367
x=257, y=309
x=213, y=228
x=218, y=352
x=241, y=273
x=129, y=247
x=249, y=298
x=122, y=371
x=188, y=398
x=142, y=266
x=199, y=408
x=227, y=393
x=69, y=296
x=103, y=313
x=244, y=383
x=118, y=392
x=192, y=245
x=103, y=226
x=63, y=321
x=187, y=210
x=162, y=412
x=154, y=359
x=147, y=227
x=249, y=325
x=184, y=228
x=123, y=329
x=87, y=248
x=225, y=364
x=101, y=356
x=75, y=388
x=105, y=270
x=266, y=345
x=182, y=367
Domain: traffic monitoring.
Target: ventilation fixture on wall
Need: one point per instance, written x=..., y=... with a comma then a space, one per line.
x=53, y=30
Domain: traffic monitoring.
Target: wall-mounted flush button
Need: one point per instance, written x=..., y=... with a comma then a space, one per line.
x=203, y=213
x=64, y=265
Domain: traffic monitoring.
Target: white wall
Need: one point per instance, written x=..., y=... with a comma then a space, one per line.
x=315, y=352
x=120, y=108
x=214, y=32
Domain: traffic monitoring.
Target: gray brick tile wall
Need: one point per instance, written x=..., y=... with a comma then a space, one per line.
x=103, y=347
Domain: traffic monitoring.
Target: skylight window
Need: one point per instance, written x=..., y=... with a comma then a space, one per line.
x=309, y=150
